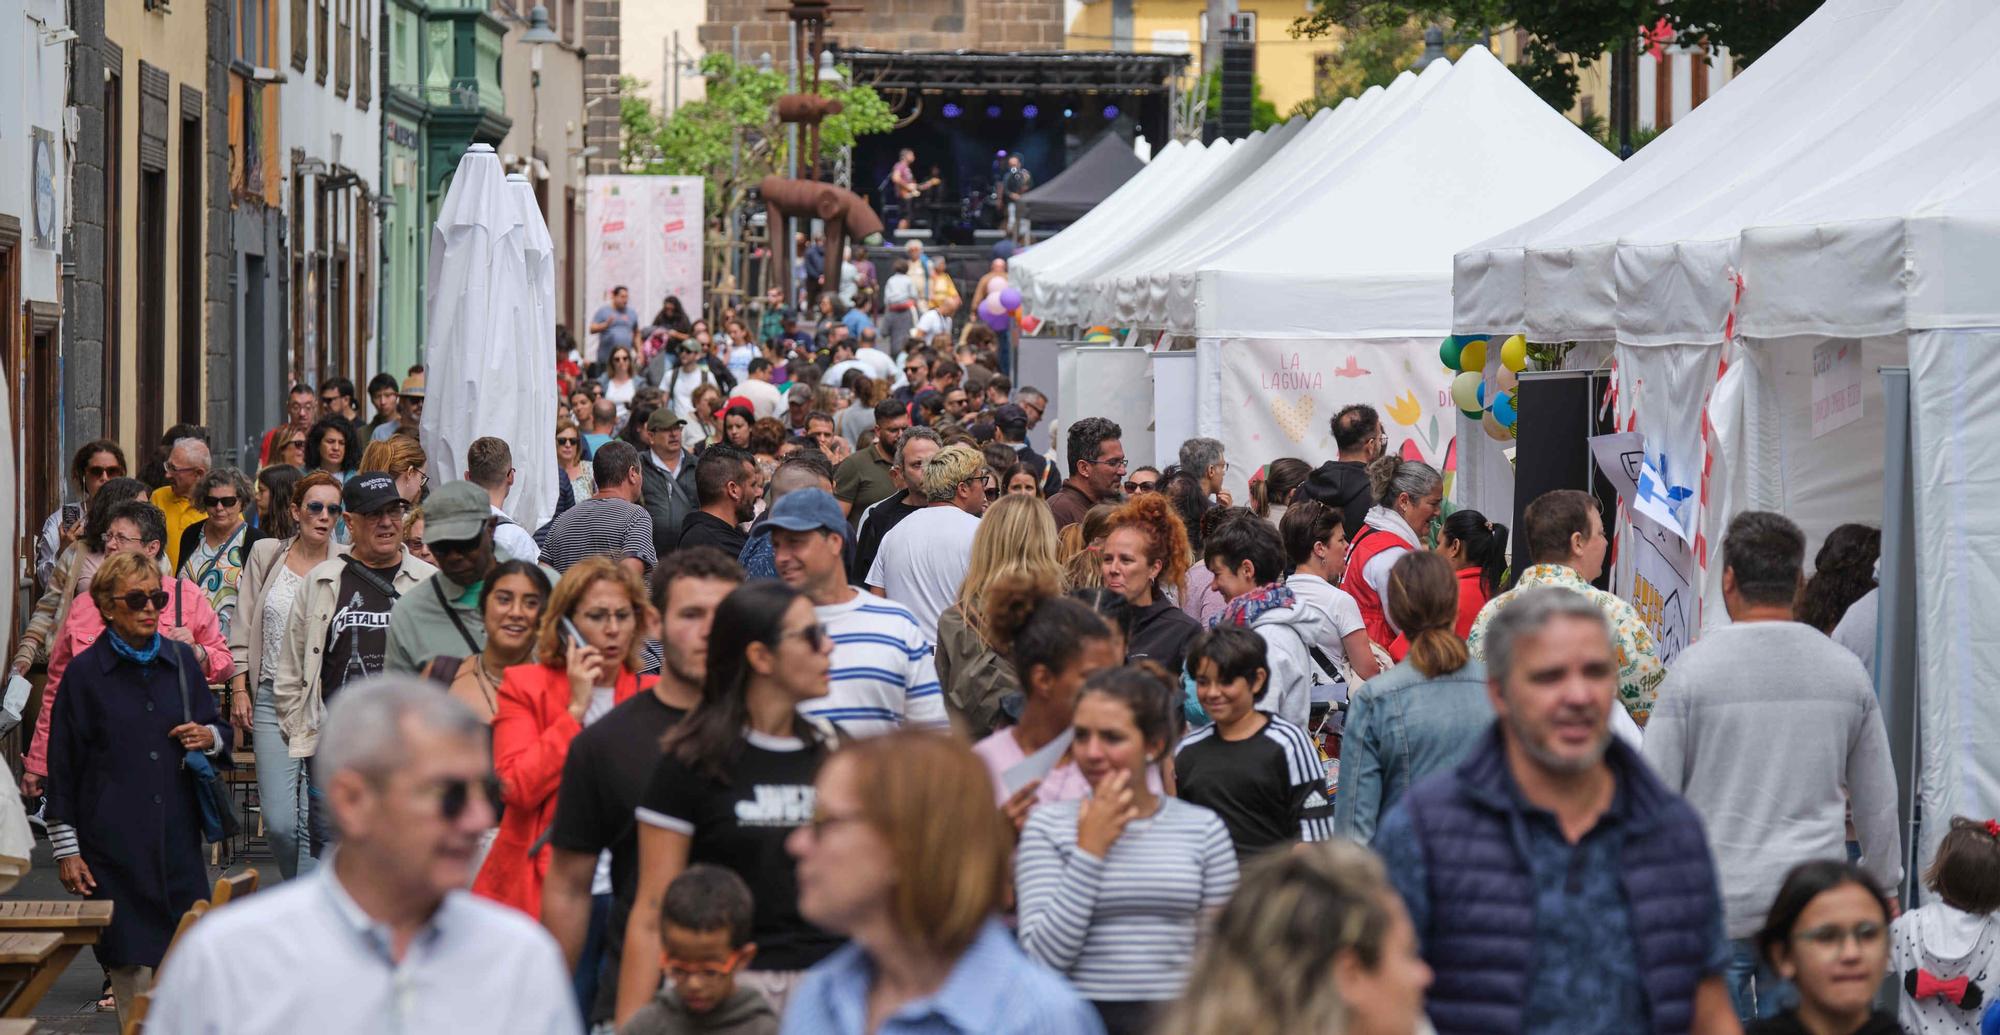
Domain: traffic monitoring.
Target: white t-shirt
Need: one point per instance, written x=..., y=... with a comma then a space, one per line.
x=933, y=323
x=1313, y=591
x=740, y=356
x=621, y=393
x=922, y=561
x=763, y=395
x=881, y=366
x=839, y=370
x=683, y=383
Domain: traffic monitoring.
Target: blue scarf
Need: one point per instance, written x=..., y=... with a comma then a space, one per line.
x=136, y=655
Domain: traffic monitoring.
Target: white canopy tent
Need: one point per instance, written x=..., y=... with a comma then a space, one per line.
x=1836, y=209
x=1342, y=293
x=1027, y=265
x=490, y=357
x=1158, y=289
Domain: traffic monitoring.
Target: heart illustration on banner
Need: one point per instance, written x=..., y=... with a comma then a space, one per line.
x=1293, y=418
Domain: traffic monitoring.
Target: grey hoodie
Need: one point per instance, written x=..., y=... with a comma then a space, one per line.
x=745, y=1012
x=1289, y=634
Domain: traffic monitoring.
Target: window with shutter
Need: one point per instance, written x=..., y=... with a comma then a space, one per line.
x=319, y=40
x=301, y=27
x=364, y=56
x=343, y=49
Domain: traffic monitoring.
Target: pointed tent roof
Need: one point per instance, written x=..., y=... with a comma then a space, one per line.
x=1102, y=169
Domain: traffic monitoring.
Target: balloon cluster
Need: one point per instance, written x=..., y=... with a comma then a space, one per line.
x=1002, y=305
x=1493, y=407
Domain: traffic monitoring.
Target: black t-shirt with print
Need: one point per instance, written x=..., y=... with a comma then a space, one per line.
x=741, y=824
x=603, y=778
x=358, y=636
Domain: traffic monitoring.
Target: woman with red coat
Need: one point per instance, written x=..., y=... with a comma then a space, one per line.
x=588, y=656
x=1477, y=550
x=1408, y=494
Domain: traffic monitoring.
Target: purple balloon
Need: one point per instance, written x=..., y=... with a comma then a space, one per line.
x=998, y=321
x=991, y=307
x=1010, y=299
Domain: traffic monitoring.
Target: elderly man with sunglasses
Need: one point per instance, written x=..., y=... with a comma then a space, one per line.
x=383, y=938
x=338, y=631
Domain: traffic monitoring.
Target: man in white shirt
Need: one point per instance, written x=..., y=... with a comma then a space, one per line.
x=384, y=937
x=489, y=464
x=881, y=365
x=884, y=675
x=764, y=396
x=680, y=381
x=925, y=557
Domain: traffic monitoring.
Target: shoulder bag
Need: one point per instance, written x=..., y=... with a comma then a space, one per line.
x=218, y=815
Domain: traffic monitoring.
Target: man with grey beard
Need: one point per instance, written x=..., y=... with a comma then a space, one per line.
x=1556, y=885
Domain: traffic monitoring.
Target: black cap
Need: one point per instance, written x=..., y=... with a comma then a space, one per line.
x=369, y=493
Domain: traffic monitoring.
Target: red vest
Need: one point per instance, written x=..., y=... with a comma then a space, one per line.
x=1374, y=613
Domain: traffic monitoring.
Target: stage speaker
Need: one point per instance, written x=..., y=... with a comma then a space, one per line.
x=1239, y=70
x=1559, y=412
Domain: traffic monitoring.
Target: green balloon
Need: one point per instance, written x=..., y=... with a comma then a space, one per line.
x=1448, y=352
x=1474, y=415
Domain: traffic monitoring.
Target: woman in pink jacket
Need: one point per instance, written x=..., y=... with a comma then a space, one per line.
x=135, y=525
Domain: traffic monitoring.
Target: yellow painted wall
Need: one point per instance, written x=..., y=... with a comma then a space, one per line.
x=1284, y=64
x=177, y=44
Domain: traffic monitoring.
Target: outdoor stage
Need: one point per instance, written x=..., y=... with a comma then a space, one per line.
x=962, y=112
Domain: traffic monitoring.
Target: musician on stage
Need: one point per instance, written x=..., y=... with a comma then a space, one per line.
x=1015, y=183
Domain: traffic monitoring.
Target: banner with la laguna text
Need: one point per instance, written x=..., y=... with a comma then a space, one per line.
x=644, y=233
x=1278, y=398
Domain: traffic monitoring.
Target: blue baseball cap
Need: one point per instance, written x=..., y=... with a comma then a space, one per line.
x=809, y=510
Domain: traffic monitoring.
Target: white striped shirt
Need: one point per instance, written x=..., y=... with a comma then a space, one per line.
x=884, y=672
x=1122, y=928
x=1269, y=788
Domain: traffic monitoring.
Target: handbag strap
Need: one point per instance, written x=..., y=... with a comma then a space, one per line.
x=463, y=633
x=361, y=570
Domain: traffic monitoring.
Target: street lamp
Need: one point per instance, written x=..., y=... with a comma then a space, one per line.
x=828, y=74
x=538, y=28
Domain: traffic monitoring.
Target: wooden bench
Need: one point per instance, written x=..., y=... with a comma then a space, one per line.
x=25, y=970
x=233, y=887
x=73, y=925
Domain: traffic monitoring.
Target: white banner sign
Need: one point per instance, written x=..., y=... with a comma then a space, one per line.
x=1279, y=397
x=1662, y=556
x=644, y=232
x=1836, y=385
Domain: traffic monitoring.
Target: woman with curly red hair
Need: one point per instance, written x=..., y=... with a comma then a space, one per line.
x=1145, y=560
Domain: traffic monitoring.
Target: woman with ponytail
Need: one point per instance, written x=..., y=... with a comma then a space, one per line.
x=1477, y=549
x=1423, y=715
x=1053, y=643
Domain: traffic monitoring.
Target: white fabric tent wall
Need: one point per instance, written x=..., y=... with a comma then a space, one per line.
x=1843, y=189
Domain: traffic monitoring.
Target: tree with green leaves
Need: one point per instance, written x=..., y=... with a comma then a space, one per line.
x=1369, y=55
x=731, y=137
x=1263, y=113
x=1568, y=35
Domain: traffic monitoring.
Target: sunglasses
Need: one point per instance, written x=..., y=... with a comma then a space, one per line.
x=316, y=508
x=330, y=399
x=105, y=472
x=225, y=502
x=297, y=443
x=455, y=795
x=139, y=598
x=566, y=440
x=992, y=493
x=453, y=546
x=1134, y=487
x=815, y=636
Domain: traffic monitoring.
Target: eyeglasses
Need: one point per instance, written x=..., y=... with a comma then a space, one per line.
x=821, y=821
x=1135, y=487
x=225, y=502
x=396, y=511
x=1034, y=412
x=815, y=635
x=329, y=400
x=681, y=970
x=566, y=440
x=621, y=616
x=1116, y=465
x=992, y=492
x=316, y=508
x=113, y=471
x=139, y=598
x=454, y=795
x=1832, y=937
x=296, y=443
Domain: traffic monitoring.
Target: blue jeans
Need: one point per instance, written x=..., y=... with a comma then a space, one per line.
x=1754, y=988
x=590, y=965
x=280, y=785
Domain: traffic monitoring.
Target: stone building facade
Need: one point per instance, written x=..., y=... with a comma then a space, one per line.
x=991, y=25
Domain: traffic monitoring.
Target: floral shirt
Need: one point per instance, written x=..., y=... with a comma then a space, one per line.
x=1639, y=667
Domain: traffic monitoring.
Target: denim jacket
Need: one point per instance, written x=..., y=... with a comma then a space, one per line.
x=1401, y=727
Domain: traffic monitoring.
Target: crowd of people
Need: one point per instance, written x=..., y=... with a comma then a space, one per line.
x=826, y=702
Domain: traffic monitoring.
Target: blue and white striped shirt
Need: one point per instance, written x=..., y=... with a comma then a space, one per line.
x=992, y=990
x=1122, y=928
x=884, y=671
